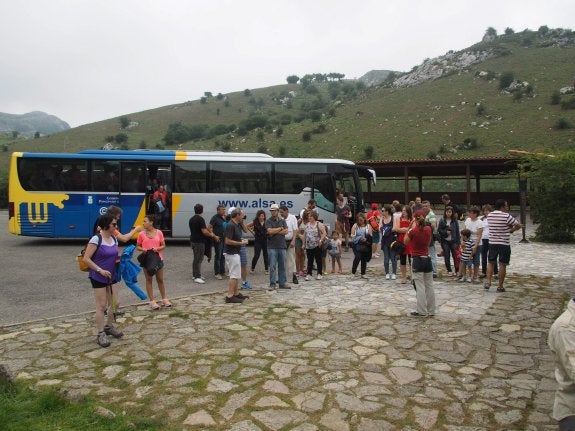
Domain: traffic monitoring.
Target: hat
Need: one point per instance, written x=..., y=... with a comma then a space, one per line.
x=230, y=210
x=419, y=213
x=274, y=207
x=374, y=206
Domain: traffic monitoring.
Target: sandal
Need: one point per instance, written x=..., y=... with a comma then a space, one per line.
x=486, y=286
x=501, y=289
x=166, y=303
x=154, y=306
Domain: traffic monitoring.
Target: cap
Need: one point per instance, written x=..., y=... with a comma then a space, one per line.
x=230, y=210
x=274, y=207
x=374, y=206
x=419, y=213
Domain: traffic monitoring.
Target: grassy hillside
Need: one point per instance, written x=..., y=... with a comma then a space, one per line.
x=430, y=119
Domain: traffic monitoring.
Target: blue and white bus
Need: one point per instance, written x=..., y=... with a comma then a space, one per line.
x=60, y=195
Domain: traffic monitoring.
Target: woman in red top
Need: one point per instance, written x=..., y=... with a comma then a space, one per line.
x=401, y=226
x=419, y=237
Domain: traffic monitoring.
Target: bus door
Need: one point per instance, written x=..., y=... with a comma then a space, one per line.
x=323, y=192
x=159, y=179
x=132, y=194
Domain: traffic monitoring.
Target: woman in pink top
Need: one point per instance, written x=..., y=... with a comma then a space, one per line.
x=153, y=239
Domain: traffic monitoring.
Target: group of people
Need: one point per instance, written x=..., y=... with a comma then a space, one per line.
x=295, y=246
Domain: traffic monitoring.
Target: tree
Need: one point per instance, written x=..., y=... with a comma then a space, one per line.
x=292, y=79
x=121, y=138
x=509, y=31
x=306, y=137
x=208, y=94
x=543, y=30
x=491, y=31
x=203, y=100
x=552, y=195
x=124, y=122
x=14, y=134
x=36, y=135
x=247, y=92
x=219, y=96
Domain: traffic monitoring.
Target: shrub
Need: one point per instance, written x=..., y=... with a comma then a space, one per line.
x=226, y=146
x=285, y=119
x=568, y=104
x=306, y=137
x=282, y=151
x=203, y=100
x=505, y=80
x=279, y=132
x=555, y=98
x=368, y=152
x=292, y=79
x=321, y=128
x=562, y=124
x=315, y=115
x=481, y=109
x=260, y=135
x=262, y=149
x=470, y=144
x=247, y=92
x=432, y=155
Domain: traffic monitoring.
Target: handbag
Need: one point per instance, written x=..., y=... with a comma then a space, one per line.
x=160, y=206
x=397, y=246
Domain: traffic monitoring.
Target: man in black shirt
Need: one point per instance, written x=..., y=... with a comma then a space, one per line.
x=217, y=227
x=198, y=234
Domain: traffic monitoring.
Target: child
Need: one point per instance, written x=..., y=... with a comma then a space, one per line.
x=334, y=250
x=466, y=265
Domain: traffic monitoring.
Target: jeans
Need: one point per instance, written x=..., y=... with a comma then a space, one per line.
x=198, y=248
x=259, y=246
x=389, y=255
x=449, y=248
x=219, y=260
x=277, y=261
x=433, y=256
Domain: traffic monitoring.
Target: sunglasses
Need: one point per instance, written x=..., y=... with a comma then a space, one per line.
x=114, y=224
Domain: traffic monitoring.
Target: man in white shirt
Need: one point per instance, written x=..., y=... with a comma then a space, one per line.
x=291, y=222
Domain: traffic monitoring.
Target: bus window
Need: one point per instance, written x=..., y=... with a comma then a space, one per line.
x=133, y=178
x=105, y=176
x=240, y=177
x=323, y=192
x=52, y=175
x=293, y=178
x=190, y=177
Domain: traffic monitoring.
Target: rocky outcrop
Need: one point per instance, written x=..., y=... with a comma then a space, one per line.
x=447, y=64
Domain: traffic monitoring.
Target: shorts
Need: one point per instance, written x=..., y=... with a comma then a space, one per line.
x=477, y=256
x=243, y=255
x=501, y=251
x=234, y=265
x=340, y=227
x=98, y=284
x=467, y=263
x=298, y=243
x=375, y=237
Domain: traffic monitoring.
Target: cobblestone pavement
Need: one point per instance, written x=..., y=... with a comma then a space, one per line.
x=340, y=353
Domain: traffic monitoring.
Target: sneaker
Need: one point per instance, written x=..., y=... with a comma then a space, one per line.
x=233, y=300
x=219, y=276
x=319, y=277
x=267, y=272
x=272, y=288
x=364, y=276
x=113, y=331
x=246, y=285
x=242, y=297
x=469, y=280
x=202, y=277
x=199, y=280
x=325, y=273
x=393, y=276
x=252, y=271
x=102, y=339
x=387, y=276
x=285, y=287
x=294, y=279
x=307, y=278
x=461, y=279
x=416, y=314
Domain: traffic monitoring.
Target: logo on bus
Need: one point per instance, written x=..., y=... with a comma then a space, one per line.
x=103, y=210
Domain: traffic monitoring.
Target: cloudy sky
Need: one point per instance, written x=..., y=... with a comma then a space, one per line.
x=89, y=60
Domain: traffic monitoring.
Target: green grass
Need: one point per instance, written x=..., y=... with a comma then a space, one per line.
x=23, y=409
